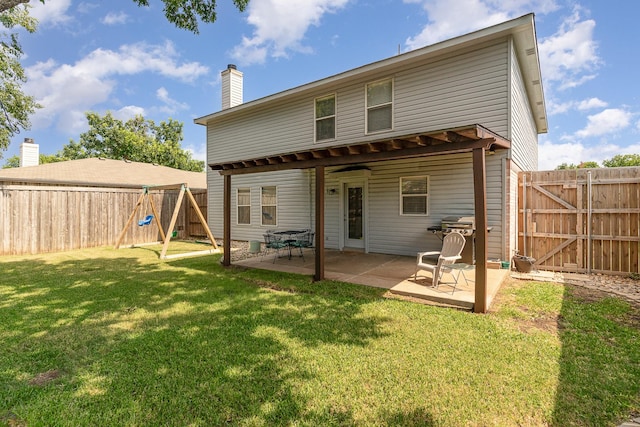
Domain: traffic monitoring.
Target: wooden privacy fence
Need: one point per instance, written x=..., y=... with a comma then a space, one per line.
x=581, y=220
x=36, y=219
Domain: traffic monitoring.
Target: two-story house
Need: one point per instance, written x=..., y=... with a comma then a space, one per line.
x=387, y=150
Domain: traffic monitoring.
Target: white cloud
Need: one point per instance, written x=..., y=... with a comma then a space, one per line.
x=128, y=112
x=450, y=18
x=554, y=107
x=67, y=91
x=552, y=155
x=590, y=103
x=115, y=18
x=569, y=56
x=52, y=12
x=171, y=106
x=607, y=121
x=280, y=27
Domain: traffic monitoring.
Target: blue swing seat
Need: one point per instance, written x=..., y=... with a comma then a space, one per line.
x=145, y=221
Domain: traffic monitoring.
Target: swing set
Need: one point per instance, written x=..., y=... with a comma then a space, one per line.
x=146, y=200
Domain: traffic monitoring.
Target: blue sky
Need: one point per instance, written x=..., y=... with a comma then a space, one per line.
x=113, y=56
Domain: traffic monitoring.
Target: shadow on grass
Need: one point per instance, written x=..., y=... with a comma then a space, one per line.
x=181, y=342
x=599, y=377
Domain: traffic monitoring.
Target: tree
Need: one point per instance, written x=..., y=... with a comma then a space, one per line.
x=137, y=139
x=182, y=13
x=15, y=106
x=622, y=160
x=581, y=165
x=185, y=13
x=14, y=161
x=8, y=4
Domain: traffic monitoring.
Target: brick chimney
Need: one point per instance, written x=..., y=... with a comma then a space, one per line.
x=231, y=87
x=29, y=153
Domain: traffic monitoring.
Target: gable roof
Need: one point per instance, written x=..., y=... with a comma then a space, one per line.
x=96, y=172
x=522, y=30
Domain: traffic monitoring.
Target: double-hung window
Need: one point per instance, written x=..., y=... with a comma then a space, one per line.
x=380, y=105
x=269, y=205
x=414, y=195
x=243, y=201
x=325, y=117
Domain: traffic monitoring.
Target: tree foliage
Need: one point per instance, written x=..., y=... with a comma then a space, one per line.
x=186, y=13
x=15, y=106
x=14, y=161
x=622, y=160
x=138, y=139
x=582, y=165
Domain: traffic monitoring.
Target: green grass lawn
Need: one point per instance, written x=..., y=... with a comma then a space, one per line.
x=105, y=337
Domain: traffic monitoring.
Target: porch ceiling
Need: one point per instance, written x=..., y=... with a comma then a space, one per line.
x=449, y=141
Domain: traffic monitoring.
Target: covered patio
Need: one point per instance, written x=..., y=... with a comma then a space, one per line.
x=473, y=139
x=392, y=272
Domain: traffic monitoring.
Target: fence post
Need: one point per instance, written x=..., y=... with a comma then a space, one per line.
x=589, y=207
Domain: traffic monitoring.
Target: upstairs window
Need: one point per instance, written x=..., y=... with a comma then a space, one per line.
x=243, y=199
x=326, y=118
x=269, y=204
x=414, y=195
x=379, y=105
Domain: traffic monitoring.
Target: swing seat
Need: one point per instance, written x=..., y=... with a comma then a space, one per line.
x=145, y=221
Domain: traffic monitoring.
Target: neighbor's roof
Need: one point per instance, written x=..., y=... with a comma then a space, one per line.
x=96, y=172
x=522, y=30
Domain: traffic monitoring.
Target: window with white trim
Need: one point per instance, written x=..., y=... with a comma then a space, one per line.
x=414, y=195
x=325, y=118
x=243, y=201
x=269, y=205
x=380, y=105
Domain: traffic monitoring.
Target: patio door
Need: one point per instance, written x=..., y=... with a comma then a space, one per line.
x=354, y=215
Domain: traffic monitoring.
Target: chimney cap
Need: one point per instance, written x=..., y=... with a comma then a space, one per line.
x=28, y=140
x=232, y=67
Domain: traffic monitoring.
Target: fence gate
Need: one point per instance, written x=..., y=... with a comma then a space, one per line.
x=581, y=220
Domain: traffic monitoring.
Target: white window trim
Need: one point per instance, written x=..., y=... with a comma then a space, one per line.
x=392, y=103
x=335, y=118
x=413, y=195
x=238, y=205
x=261, y=206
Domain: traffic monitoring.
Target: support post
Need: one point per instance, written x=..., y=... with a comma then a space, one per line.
x=203, y=221
x=172, y=224
x=156, y=217
x=130, y=220
x=319, y=273
x=480, y=199
x=226, y=257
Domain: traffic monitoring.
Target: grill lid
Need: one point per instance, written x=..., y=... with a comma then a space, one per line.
x=458, y=222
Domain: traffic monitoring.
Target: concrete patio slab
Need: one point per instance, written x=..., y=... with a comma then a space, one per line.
x=392, y=272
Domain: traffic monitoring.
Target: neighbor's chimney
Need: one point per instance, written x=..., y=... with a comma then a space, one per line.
x=231, y=87
x=29, y=153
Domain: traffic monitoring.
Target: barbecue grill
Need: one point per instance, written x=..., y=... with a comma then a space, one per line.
x=465, y=225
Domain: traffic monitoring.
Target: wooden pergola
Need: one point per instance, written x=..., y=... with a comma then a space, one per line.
x=473, y=139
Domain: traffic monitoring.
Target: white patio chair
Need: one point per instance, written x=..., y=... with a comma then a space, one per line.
x=452, y=246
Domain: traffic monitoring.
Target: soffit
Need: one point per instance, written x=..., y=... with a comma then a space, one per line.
x=449, y=141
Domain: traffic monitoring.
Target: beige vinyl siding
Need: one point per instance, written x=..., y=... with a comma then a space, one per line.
x=470, y=87
x=294, y=209
x=524, y=136
x=450, y=193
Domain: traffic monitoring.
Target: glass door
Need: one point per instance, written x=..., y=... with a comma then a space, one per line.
x=354, y=216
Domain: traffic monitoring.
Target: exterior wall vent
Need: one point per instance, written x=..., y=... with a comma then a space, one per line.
x=231, y=87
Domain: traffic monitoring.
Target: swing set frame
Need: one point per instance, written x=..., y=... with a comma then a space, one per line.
x=166, y=236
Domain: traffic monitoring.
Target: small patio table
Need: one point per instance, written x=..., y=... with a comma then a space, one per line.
x=460, y=267
x=288, y=237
